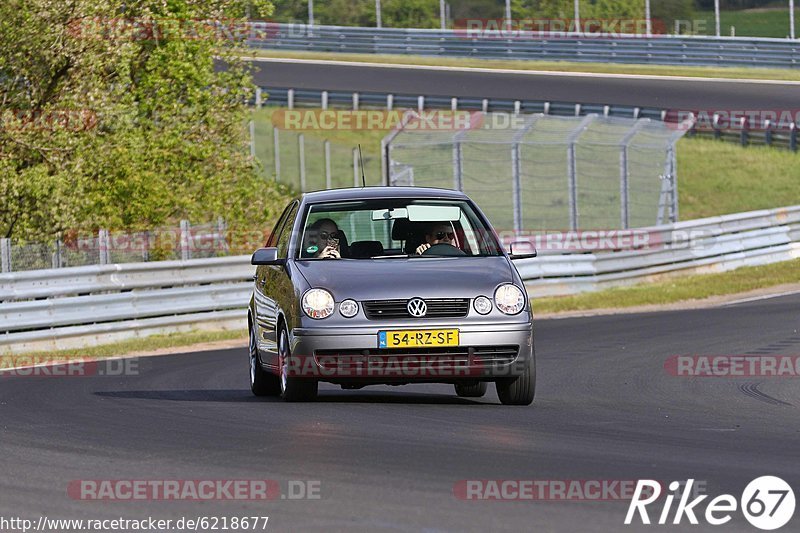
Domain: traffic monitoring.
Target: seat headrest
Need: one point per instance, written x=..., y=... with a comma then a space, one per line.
x=364, y=249
x=403, y=229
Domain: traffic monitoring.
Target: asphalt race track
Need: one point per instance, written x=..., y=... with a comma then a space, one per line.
x=387, y=459
x=682, y=93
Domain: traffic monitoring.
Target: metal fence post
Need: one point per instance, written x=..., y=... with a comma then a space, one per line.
x=793, y=137
x=674, y=179
x=516, y=171
x=324, y=100
x=290, y=98
x=327, y=145
x=252, y=139
x=572, y=171
x=768, y=132
x=516, y=191
x=624, y=173
x=57, y=258
x=277, y=150
x=259, y=98
x=146, y=246
x=744, y=133
x=301, y=150
x=5, y=254
x=458, y=161
x=104, y=245
x=355, y=101
x=221, y=238
x=186, y=252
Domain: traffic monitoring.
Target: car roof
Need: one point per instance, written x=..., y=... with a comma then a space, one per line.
x=365, y=193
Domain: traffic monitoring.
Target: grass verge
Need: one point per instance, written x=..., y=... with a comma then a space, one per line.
x=555, y=66
x=145, y=344
x=696, y=287
x=763, y=22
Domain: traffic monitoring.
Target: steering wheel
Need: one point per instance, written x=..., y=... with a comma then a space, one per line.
x=444, y=249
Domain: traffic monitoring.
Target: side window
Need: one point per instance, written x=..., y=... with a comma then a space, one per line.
x=286, y=233
x=273, y=237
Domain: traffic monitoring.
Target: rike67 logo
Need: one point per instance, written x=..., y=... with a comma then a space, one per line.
x=767, y=503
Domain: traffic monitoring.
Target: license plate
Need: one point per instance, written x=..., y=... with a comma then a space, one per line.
x=417, y=338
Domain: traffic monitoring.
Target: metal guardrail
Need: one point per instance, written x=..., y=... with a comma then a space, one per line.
x=661, y=49
x=71, y=307
x=766, y=134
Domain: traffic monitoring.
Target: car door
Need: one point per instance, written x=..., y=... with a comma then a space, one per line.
x=274, y=290
x=264, y=304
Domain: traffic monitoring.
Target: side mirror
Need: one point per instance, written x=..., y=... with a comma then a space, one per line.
x=266, y=256
x=524, y=255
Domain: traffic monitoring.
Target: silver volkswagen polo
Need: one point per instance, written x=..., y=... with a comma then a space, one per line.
x=388, y=285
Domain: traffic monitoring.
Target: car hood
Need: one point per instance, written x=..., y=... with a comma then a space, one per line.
x=380, y=279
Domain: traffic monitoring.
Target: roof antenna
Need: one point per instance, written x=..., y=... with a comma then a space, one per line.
x=361, y=163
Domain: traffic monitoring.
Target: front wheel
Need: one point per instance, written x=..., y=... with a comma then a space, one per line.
x=519, y=390
x=476, y=390
x=262, y=383
x=293, y=388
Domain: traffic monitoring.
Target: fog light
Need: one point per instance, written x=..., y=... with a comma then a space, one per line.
x=482, y=305
x=348, y=308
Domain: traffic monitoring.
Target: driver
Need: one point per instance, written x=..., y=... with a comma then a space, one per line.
x=437, y=233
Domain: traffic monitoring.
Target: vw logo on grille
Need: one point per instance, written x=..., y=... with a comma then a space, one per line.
x=417, y=307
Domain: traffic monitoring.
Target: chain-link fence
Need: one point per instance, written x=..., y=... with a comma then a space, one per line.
x=184, y=242
x=543, y=172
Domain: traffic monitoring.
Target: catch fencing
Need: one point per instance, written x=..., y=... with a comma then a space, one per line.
x=73, y=249
x=72, y=307
x=561, y=172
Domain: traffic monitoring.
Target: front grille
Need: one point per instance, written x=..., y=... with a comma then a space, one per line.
x=396, y=309
x=442, y=357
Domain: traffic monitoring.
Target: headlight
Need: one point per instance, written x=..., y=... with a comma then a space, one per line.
x=509, y=299
x=318, y=303
x=348, y=308
x=482, y=305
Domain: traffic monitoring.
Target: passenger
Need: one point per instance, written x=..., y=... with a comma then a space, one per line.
x=438, y=233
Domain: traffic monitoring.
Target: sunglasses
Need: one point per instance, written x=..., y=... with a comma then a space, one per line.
x=324, y=234
x=440, y=235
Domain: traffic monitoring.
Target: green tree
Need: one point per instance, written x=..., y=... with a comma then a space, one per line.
x=153, y=132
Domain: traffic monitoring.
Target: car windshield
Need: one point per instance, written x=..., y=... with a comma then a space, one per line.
x=393, y=228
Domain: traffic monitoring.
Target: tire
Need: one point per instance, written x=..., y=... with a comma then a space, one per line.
x=519, y=390
x=471, y=391
x=292, y=388
x=262, y=382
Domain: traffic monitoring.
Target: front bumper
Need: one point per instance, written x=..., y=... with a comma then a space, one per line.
x=486, y=352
